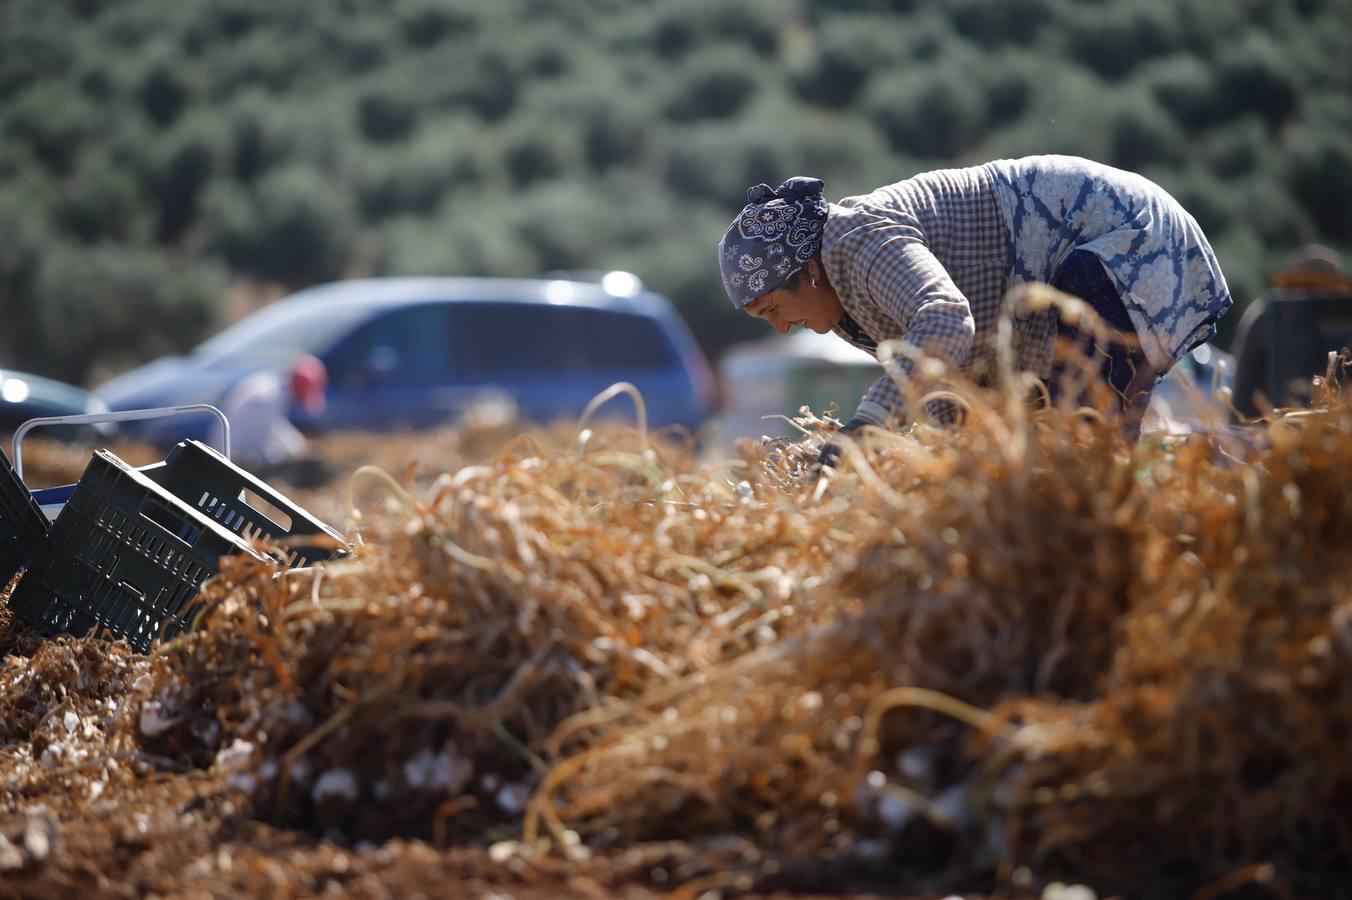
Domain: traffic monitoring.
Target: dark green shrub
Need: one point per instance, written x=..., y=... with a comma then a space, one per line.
x=677, y=27
x=850, y=157
x=1321, y=178
x=1276, y=217
x=1143, y=134
x=17, y=162
x=164, y=92
x=846, y=52
x=27, y=240
x=613, y=133
x=181, y=186
x=425, y=22
x=181, y=176
x=416, y=176
x=53, y=120
x=713, y=84
x=1211, y=201
x=492, y=84
x=718, y=163
x=319, y=134
x=130, y=26
x=97, y=83
x=1011, y=86
x=290, y=226
x=267, y=59
x=35, y=48
x=675, y=33
x=822, y=10
x=262, y=137
x=535, y=150
x=1114, y=38
x=359, y=49
x=102, y=308
x=562, y=226
x=934, y=113
x=1254, y=77
x=543, y=56
x=611, y=122
x=754, y=24
x=1236, y=149
x=1312, y=8
x=102, y=202
x=995, y=22
x=1069, y=110
x=234, y=21
x=387, y=185
x=1186, y=87
x=467, y=235
x=1246, y=264
x=385, y=115
x=1209, y=27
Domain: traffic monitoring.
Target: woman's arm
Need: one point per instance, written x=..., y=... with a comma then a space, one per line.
x=907, y=284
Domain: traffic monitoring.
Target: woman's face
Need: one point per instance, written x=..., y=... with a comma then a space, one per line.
x=815, y=307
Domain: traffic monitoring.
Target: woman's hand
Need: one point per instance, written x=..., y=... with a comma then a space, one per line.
x=829, y=456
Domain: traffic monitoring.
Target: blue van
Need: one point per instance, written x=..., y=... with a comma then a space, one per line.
x=413, y=353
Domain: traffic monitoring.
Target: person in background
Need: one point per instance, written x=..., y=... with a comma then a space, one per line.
x=1314, y=271
x=262, y=436
x=928, y=262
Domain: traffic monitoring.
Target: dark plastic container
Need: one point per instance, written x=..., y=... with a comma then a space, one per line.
x=125, y=555
x=1302, y=330
x=207, y=481
x=23, y=527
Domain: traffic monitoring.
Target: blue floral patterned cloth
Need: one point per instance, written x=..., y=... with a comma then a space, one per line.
x=773, y=237
x=1151, y=248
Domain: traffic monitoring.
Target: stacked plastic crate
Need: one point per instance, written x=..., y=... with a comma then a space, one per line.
x=23, y=529
x=131, y=548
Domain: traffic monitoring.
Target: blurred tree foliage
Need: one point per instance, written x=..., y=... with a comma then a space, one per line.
x=152, y=151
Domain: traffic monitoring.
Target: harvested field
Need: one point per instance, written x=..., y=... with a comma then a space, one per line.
x=984, y=661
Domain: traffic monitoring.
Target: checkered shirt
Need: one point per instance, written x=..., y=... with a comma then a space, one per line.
x=927, y=261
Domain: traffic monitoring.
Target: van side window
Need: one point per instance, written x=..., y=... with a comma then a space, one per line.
x=512, y=339
x=623, y=341
x=502, y=339
x=413, y=341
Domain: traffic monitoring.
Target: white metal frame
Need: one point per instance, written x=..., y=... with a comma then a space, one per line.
x=129, y=415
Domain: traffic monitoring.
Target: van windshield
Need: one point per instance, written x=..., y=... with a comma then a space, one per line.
x=279, y=332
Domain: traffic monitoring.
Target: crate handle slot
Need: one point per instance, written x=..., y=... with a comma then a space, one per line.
x=263, y=498
x=266, y=508
x=169, y=520
x=246, y=488
x=127, y=415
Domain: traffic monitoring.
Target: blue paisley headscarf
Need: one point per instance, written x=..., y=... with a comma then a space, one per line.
x=773, y=237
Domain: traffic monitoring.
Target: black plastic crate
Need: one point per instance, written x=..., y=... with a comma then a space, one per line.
x=206, y=480
x=125, y=555
x=23, y=527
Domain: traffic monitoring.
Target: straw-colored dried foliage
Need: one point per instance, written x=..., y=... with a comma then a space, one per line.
x=987, y=658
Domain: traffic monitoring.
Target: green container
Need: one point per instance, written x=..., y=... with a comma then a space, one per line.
x=818, y=384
